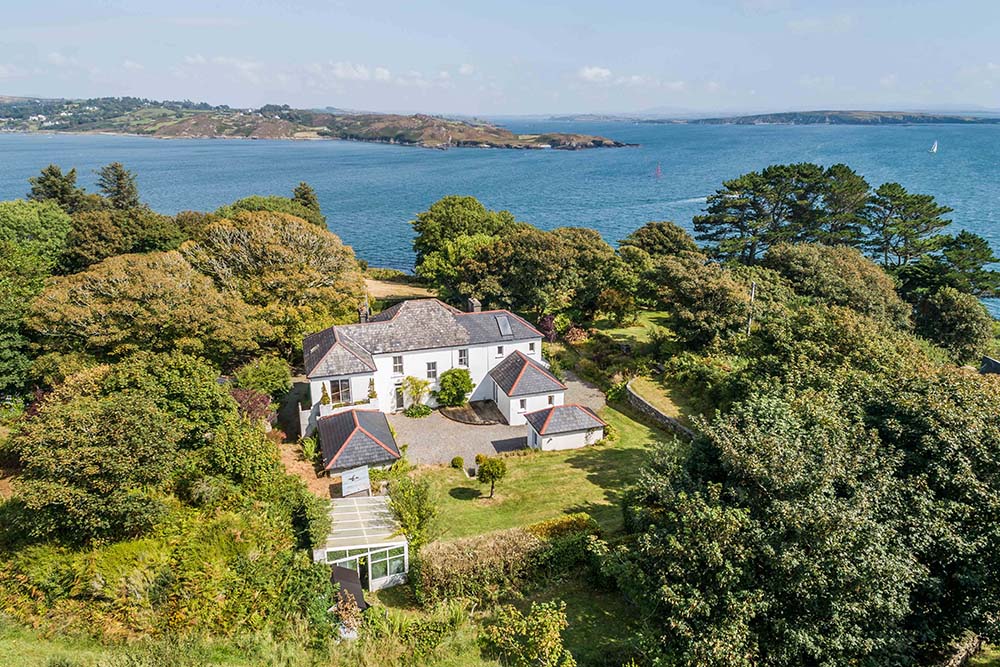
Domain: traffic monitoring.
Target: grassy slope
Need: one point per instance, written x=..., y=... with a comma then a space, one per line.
x=546, y=484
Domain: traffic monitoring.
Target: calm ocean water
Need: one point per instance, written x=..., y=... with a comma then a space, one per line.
x=369, y=192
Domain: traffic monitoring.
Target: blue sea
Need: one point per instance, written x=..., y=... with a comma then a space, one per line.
x=370, y=192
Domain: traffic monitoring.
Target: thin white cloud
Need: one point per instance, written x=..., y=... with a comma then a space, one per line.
x=10, y=71
x=132, y=65
x=821, y=24
x=888, y=81
x=466, y=69
x=58, y=59
x=382, y=74
x=594, y=74
x=347, y=71
x=196, y=59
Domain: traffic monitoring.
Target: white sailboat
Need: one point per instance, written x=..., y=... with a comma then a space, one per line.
x=933, y=148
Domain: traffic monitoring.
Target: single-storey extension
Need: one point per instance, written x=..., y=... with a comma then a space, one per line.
x=564, y=427
x=356, y=438
x=522, y=385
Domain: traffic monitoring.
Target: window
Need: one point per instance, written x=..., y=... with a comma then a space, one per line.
x=463, y=358
x=531, y=348
x=397, y=365
x=552, y=399
x=387, y=563
x=432, y=370
x=340, y=391
x=523, y=405
x=499, y=350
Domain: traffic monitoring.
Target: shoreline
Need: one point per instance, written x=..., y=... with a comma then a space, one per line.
x=390, y=142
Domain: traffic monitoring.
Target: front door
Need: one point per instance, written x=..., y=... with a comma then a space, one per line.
x=399, y=398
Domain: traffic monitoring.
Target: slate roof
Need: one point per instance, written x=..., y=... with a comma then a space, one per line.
x=520, y=375
x=355, y=438
x=564, y=419
x=990, y=365
x=418, y=324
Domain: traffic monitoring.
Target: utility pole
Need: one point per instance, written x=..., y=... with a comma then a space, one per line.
x=753, y=295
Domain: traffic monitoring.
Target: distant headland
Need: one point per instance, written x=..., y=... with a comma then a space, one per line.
x=822, y=117
x=190, y=120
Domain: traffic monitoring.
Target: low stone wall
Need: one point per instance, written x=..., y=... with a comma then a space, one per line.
x=645, y=408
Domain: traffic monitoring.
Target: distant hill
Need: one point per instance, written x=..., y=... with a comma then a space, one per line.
x=186, y=119
x=839, y=118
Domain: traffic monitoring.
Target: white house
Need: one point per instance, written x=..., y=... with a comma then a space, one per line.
x=363, y=364
x=522, y=385
x=564, y=427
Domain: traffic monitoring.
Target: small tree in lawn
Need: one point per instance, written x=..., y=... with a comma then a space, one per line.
x=415, y=388
x=491, y=471
x=455, y=385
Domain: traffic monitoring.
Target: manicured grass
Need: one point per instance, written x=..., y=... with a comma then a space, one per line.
x=665, y=398
x=637, y=332
x=393, y=291
x=542, y=485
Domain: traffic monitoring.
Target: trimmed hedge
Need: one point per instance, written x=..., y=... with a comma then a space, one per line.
x=489, y=567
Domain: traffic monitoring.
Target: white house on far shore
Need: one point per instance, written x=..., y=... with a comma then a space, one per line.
x=363, y=364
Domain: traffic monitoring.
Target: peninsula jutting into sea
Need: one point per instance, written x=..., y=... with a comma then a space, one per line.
x=190, y=120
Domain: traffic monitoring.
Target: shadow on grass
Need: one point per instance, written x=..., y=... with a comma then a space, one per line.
x=612, y=469
x=465, y=493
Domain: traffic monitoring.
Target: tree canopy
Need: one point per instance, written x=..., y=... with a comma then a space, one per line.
x=154, y=302
x=275, y=204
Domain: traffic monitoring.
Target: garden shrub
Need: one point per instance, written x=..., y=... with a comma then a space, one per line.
x=418, y=411
x=413, y=506
x=454, y=386
x=569, y=524
x=254, y=405
x=268, y=375
x=489, y=567
x=484, y=568
x=458, y=463
x=310, y=447
x=532, y=640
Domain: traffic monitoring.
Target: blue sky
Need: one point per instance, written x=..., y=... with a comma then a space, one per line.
x=511, y=57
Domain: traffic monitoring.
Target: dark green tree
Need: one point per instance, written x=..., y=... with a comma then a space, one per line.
x=845, y=196
x=100, y=234
x=305, y=195
x=118, y=186
x=41, y=228
x=961, y=263
x=840, y=276
x=91, y=468
x=958, y=322
x=901, y=227
x=773, y=545
x=660, y=238
x=53, y=185
x=452, y=217
x=752, y=212
x=22, y=277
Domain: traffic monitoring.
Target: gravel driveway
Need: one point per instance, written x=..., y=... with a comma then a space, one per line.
x=436, y=439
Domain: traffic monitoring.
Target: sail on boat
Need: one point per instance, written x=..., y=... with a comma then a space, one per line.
x=933, y=148
x=659, y=172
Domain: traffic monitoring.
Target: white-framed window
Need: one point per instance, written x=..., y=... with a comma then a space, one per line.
x=531, y=347
x=522, y=405
x=463, y=357
x=552, y=399
x=340, y=391
x=499, y=350
x=432, y=370
x=397, y=365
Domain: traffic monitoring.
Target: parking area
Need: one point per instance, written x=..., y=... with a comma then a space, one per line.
x=436, y=439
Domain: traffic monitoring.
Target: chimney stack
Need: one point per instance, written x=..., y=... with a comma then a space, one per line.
x=472, y=305
x=363, y=313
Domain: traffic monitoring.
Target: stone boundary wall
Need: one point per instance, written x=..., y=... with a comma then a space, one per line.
x=642, y=406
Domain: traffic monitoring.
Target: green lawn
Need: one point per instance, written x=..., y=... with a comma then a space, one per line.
x=637, y=332
x=990, y=657
x=543, y=485
x=664, y=397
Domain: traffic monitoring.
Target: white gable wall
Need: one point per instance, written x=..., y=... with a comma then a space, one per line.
x=572, y=440
x=511, y=407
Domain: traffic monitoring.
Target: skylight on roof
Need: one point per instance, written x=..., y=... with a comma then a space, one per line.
x=504, y=325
